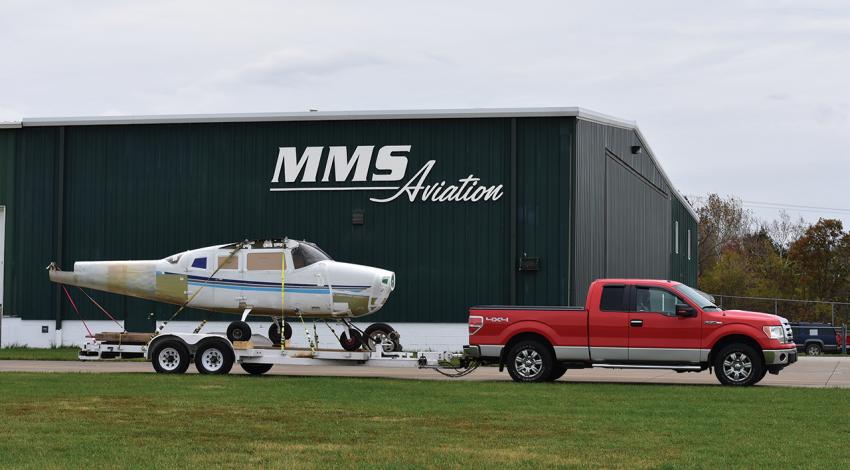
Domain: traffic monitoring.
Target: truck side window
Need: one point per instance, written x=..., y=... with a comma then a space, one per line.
x=655, y=300
x=613, y=299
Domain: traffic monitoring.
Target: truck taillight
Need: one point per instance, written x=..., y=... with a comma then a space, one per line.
x=475, y=324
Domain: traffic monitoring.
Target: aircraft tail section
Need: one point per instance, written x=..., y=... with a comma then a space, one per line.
x=132, y=278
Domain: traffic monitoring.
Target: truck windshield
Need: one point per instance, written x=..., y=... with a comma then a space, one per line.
x=696, y=297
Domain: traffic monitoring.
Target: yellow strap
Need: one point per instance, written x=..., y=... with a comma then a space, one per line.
x=282, y=297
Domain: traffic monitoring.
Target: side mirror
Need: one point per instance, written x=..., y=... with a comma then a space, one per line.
x=685, y=310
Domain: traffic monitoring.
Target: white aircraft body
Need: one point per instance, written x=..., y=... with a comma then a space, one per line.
x=276, y=278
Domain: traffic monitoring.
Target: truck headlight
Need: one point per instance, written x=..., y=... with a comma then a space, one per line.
x=774, y=332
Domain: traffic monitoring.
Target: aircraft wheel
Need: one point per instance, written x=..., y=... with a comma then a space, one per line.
x=170, y=357
x=214, y=357
x=239, y=331
x=383, y=335
x=352, y=343
x=256, y=369
x=274, y=332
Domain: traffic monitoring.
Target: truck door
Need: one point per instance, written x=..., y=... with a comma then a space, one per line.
x=608, y=327
x=656, y=334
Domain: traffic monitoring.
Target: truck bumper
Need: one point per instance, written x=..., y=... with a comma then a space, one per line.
x=780, y=357
x=472, y=351
x=492, y=351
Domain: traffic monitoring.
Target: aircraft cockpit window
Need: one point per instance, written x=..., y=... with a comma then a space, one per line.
x=174, y=259
x=305, y=255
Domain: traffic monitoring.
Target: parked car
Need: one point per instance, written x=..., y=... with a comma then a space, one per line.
x=632, y=324
x=816, y=338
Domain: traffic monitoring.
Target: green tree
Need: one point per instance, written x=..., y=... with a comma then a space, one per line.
x=822, y=259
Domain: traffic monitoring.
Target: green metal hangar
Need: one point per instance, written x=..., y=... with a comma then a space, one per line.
x=478, y=206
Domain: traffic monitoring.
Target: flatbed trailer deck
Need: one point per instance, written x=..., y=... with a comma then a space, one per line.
x=213, y=353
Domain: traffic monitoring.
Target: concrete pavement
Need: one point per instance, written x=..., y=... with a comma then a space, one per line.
x=817, y=372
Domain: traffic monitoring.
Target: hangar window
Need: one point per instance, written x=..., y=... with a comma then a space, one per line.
x=676, y=236
x=267, y=261
x=200, y=262
x=613, y=299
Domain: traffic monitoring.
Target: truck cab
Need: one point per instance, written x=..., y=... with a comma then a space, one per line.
x=632, y=323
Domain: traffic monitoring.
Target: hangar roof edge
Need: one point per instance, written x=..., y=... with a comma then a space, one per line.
x=460, y=113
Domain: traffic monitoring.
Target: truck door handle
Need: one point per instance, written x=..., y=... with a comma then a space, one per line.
x=636, y=323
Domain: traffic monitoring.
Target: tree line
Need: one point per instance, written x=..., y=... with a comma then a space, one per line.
x=740, y=255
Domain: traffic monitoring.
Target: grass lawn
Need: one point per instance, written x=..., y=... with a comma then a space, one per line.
x=194, y=421
x=49, y=354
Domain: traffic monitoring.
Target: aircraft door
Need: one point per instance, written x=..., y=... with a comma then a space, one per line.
x=262, y=279
x=227, y=283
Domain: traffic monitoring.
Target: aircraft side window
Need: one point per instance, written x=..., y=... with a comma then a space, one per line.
x=232, y=263
x=200, y=262
x=265, y=261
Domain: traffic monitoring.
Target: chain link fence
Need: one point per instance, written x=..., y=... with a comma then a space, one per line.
x=835, y=314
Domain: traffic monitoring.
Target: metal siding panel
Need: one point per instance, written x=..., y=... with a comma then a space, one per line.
x=589, y=218
x=143, y=192
x=543, y=179
x=622, y=209
x=33, y=224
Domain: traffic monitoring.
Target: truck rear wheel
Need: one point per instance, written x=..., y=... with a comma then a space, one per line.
x=170, y=357
x=738, y=364
x=530, y=361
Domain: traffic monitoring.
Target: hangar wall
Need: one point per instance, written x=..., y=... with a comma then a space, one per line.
x=574, y=196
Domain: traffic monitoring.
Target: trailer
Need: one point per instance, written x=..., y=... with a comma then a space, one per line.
x=214, y=353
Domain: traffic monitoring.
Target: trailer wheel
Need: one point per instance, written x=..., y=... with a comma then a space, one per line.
x=170, y=357
x=239, y=331
x=352, y=343
x=214, y=357
x=383, y=335
x=256, y=369
x=530, y=361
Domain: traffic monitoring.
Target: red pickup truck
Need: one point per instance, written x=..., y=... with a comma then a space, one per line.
x=631, y=323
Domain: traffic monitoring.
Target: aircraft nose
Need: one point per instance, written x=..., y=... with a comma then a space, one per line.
x=382, y=285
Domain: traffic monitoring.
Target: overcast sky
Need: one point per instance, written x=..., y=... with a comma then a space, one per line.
x=750, y=99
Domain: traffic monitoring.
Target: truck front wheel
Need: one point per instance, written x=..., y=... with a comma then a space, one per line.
x=738, y=364
x=530, y=361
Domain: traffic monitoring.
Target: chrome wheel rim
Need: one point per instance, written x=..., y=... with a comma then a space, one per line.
x=380, y=338
x=737, y=367
x=212, y=359
x=169, y=359
x=528, y=363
